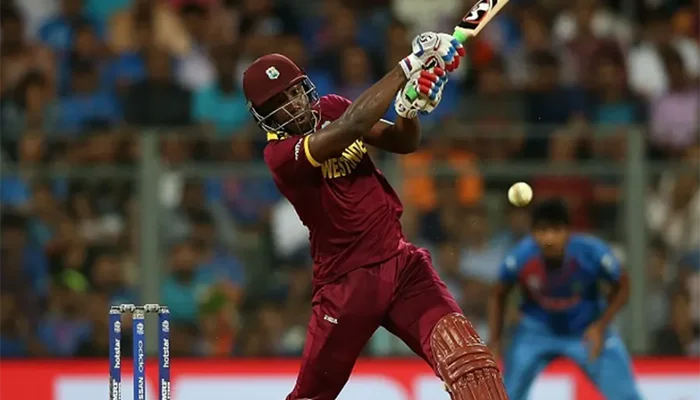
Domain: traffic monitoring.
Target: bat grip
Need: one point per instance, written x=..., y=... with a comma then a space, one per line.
x=411, y=91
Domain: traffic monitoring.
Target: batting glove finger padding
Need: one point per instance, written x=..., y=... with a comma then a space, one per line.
x=429, y=85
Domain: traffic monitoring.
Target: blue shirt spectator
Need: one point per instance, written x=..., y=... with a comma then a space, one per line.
x=225, y=109
x=58, y=32
x=183, y=296
x=222, y=103
x=88, y=46
x=14, y=192
x=247, y=199
x=62, y=336
x=187, y=284
x=64, y=328
x=128, y=68
x=86, y=101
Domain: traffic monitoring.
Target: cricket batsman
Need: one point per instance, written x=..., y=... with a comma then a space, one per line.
x=564, y=313
x=365, y=273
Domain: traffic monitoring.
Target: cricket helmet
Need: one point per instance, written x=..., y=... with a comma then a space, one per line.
x=272, y=76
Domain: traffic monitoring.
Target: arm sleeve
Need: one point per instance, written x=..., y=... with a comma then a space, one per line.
x=289, y=159
x=509, y=269
x=609, y=268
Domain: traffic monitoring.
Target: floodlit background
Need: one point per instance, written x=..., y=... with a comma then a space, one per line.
x=132, y=171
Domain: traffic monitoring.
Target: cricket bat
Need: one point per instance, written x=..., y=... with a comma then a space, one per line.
x=471, y=24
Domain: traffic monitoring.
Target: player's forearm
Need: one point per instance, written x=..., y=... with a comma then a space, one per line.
x=403, y=137
x=617, y=299
x=359, y=118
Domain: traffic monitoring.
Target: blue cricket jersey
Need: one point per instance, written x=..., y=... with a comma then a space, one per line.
x=564, y=300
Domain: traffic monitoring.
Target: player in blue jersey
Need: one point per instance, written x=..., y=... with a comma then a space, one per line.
x=563, y=312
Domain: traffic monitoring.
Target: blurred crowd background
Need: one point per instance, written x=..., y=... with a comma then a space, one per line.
x=550, y=86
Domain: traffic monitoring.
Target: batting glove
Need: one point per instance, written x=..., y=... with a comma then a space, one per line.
x=430, y=50
x=429, y=85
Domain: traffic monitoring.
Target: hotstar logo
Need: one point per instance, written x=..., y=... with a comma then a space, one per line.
x=117, y=354
x=166, y=353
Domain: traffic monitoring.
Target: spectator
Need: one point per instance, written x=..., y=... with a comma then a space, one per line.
x=517, y=227
x=583, y=47
x=495, y=114
x=23, y=277
x=222, y=104
x=178, y=224
x=31, y=106
x=356, y=72
x=675, y=125
x=659, y=283
x=87, y=46
x=673, y=210
x=591, y=17
x=615, y=113
x=265, y=18
x=59, y=31
x=322, y=79
x=19, y=57
x=249, y=200
x=549, y=105
x=576, y=190
x=431, y=199
x=426, y=16
x=668, y=341
x=108, y=277
x=447, y=260
x=156, y=16
x=647, y=74
x=157, y=101
x=215, y=258
x=64, y=327
x=45, y=215
x=218, y=321
x=479, y=260
x=34, y=13
x=14, y=328
x=91, y=226
x=97, y=344
x=339, y=32
x=187, y=283
x=395, y=44
x=195, y=71
x=535, y=38
x=86, y=101
x=16, y=188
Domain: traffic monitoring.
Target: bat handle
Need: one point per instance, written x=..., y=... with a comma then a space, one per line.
x=461, y=37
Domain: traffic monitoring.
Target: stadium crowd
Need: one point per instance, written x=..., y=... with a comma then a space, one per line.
x=548, y=82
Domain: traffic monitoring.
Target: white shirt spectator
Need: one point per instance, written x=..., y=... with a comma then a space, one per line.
x=195, y=70
x=679, y=229
x=647, y=74
x=604, y=25
x=289, y=234
x=427, y=15
x=35, y=12
x=674, y=119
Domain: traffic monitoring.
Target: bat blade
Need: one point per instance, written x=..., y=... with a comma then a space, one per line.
x=476, y=19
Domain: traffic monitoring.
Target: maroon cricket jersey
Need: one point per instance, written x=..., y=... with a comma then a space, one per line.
x=349, y=207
